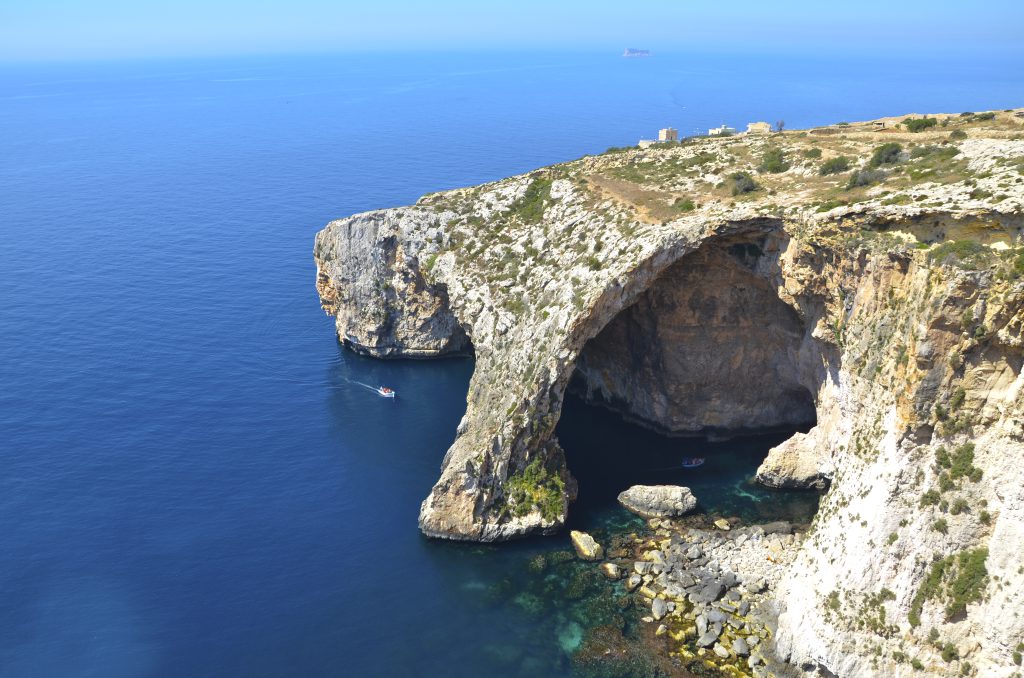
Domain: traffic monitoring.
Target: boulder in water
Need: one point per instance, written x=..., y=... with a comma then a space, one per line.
x=658, y=501
x=586, y=547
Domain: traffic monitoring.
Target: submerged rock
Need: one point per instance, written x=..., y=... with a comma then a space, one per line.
x=586, y=547
x=570, y=637
x=658, y=501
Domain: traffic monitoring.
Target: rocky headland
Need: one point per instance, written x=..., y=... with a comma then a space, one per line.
x=865, y=283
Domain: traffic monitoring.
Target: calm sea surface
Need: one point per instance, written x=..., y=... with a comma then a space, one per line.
x=189, y=484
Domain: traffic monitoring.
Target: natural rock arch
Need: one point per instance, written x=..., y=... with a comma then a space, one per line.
x=708, y=348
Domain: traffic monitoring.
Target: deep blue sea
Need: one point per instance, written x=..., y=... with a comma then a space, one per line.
x=189, y=486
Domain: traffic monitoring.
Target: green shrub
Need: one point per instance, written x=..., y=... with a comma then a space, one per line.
x=834, y=166
x=919, y=124
x=892, y=538
x=829, y=205
x=916, y=663
x=949, y=652
x=984, y=116
x=865, y=177
x=536, y=487
x=965, y=253
x=530, y=207
x=969, y=583
x=958, y=398
x=774, y=161
x=684, y=205
x=941, y=525
x=923, y=151
x=930, y=498
x=812, y=153
x=959, y=506
x=963, y=462
x=740, y=183
x=985, y=517
x=958, y=134
x=886, y=154
x=957, y=580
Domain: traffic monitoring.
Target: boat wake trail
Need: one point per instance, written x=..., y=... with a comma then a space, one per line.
x=359, y=383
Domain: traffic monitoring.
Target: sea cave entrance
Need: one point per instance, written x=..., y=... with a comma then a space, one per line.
x=709, y=361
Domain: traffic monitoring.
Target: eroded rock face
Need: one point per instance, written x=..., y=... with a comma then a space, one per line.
x=797, y=463
x=709, y=346
x=369, y=278
x=658, y=501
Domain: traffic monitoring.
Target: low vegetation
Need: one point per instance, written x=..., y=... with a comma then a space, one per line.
x=535, y=487
x=530, y=207
x=967, y=254
x=774, y=161
x=886, y=154
x=866, y=177
x=959, y=463
x=956, y=581
x=834, y=166
x=740, y=183
x=919, y=124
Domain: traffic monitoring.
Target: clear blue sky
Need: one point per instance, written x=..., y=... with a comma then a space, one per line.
x=90, y=29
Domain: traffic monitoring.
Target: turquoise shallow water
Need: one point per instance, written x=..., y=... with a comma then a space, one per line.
x=190, y=485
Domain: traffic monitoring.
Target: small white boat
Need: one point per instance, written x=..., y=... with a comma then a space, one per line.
x=385, y=392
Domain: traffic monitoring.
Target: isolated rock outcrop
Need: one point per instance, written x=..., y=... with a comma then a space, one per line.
x=889, y=316
x=586, y=547
x=658, y=501
x=798, y=462
x=369, y=278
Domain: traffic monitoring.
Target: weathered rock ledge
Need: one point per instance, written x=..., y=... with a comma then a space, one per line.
x=885, y=309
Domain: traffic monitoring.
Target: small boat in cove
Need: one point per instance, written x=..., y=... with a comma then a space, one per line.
x=385, y=392
x=692, y=462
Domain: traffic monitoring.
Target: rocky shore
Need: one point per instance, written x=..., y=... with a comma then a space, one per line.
x=705, y=588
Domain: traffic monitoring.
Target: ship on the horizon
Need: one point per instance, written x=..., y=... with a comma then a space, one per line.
x=634, y=52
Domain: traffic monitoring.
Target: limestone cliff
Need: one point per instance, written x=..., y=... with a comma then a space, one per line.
x=870, y=284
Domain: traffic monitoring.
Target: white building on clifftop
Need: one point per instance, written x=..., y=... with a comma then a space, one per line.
x=724, y=130
x=666, y=135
